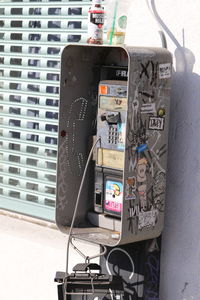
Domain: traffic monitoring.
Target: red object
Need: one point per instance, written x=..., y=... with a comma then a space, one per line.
x=63, y=133
x=96, y=11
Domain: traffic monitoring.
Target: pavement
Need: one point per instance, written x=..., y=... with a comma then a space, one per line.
x=30, y=255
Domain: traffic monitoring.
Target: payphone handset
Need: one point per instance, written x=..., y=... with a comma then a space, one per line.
x=111, y=126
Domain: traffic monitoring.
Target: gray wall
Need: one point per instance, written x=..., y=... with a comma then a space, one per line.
x=180, y=255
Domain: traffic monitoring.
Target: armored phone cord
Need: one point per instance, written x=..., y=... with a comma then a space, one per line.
x=77, y=202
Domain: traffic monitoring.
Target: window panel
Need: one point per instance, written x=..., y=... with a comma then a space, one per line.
x=15, y=74
x=15, y=36
x=14, y=122
x=15, y=98
x=75, y=11
x=15, y=61
x=14, y=182
x=31, y=149
x=13, y=146
x=33, y=100
x=32, y=198
x=54, y=24
x=16, y=23
x=35, y=11
x=16, y=11
x=31, y=41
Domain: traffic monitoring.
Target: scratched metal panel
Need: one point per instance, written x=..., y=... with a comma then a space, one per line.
x=146, y=143
x=74, y=132
x=80, y=75
x=146, y=139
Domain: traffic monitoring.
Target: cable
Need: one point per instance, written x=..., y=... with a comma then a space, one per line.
x=163, y=39
x=155, y=16
x=75, y=212
x=163, y=25
x=88, y=258
x=77, y=202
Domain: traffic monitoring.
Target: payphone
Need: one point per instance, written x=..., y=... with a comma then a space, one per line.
x=111, y=123
x=121, y=96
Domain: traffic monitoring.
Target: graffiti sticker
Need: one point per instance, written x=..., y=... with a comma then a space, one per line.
x=165, y=71
x=156, y=123
x=141, y=169
x=142, y=192
x=141, y=148
x=147, y=218
x=148, y=108
x=130, y=188
x=113, y=196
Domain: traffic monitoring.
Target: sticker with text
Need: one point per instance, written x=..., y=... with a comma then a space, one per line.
x=148, y=108
x=113, y=196
x=147, y=219
x=165, y=70
x=156, y=123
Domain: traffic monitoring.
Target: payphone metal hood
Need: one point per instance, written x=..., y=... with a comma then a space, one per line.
x=148, y=75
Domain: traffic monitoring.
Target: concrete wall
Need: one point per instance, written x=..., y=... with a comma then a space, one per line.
x=180, y=259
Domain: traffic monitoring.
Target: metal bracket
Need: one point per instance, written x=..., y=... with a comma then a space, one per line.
x=85, y=282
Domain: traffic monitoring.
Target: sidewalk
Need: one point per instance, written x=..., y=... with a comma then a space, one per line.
x=30, y=255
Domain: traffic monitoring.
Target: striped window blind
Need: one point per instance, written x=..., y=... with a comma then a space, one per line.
x=32, y=34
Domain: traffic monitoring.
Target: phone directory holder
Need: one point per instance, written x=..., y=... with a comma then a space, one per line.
x=119, y=96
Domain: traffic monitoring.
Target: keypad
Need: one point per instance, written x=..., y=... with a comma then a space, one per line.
x=113, y=134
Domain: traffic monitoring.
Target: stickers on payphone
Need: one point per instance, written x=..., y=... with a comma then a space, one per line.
x=113, y=196
x=108, y=194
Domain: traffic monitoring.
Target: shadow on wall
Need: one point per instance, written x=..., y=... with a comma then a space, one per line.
x=184, y=119
x=181, y=231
